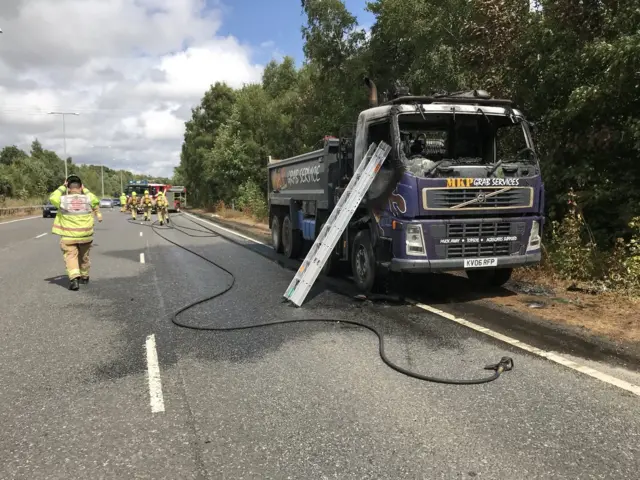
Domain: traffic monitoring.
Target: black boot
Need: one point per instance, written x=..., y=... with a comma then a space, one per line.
x=84, y=280
x=73, y=284
x=161, y=223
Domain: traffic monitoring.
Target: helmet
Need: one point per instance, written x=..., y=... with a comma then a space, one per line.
x=160, y=193
x=73, y=178
x=133, y=194
x=122, y=194
x=146, y=192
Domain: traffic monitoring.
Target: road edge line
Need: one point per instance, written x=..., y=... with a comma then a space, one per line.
x=554, y=357
x=19, y=220
x=237, y=234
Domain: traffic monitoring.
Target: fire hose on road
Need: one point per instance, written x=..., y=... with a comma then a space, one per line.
x=505, y=364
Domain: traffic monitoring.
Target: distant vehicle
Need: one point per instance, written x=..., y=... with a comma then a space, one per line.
x=116, y=202
x=49, y=211
x=106, y=203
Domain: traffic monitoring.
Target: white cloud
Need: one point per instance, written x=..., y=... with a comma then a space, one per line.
x=131, y=68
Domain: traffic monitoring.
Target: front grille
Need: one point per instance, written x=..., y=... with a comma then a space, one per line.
x=493, y=249
x=474, y=230
x=452, y=198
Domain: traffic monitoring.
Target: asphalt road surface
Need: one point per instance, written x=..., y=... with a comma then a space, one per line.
x=82, y=395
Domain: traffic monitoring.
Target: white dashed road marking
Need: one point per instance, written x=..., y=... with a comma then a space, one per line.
x=554, y=357
x=140, y=233
x=156, y=399
x=142, y=258
x=41, y=235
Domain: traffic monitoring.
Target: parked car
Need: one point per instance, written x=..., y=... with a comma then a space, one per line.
x=49, y=211
x=116, y=202
x=106, y=203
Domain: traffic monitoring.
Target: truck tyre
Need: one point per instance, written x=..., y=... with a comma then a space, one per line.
x=291, y=239
x=331, y=266
x=490, y=278
x=363, y=262
x=276, y=234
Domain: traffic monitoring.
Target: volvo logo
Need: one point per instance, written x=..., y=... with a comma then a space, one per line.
x=481, y=198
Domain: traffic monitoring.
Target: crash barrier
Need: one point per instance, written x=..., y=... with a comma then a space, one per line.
x=11, y=211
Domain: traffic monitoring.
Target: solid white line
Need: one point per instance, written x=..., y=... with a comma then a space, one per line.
x=19, y=220
x=155, y=384
x=41, y=235
x=554, y=357
x=142, y=258
x=140, y=233
x=228, y=230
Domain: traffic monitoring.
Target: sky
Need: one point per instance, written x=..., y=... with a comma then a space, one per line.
x=132, y=70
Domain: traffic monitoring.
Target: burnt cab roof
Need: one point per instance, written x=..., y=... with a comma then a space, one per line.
x=470, y=97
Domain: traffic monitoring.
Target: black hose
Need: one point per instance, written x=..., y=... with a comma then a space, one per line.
x=505, y=364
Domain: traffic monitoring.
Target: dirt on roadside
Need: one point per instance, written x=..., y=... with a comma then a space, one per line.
x=529, y=293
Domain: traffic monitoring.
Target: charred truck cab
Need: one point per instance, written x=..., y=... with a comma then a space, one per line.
x=460, y=190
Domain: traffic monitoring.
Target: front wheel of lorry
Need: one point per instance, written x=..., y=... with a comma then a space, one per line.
x=276, y=234
x=291, y=239
x=363, y=262
x=490, y=278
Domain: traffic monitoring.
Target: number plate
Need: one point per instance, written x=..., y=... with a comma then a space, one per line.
x=480, y=262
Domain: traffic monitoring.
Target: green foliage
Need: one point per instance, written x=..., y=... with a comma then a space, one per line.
x=36, y=175
x=572, y=256
x=252, y=200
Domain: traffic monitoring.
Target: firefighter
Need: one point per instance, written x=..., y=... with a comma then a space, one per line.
x=123, y=202
x=147, y=205
x=133, y=204
x=74, y=224
x=161, y=207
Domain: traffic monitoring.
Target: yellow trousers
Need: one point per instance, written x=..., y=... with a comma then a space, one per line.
x=76, y=258
x=162, y=214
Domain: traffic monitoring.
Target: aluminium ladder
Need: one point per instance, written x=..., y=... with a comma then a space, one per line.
x=336, y=223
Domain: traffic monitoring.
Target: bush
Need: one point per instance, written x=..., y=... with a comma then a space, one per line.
x=623, y=266
x=571, y=256
x=251, y=200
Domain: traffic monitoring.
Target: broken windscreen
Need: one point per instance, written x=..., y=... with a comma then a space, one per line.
x=479, y=139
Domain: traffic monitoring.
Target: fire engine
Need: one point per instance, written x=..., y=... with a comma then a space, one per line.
x=176, y=195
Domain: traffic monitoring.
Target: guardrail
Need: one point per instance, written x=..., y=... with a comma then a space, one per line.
x=11, y=211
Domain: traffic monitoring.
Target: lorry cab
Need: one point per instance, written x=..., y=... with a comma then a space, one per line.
x=470, y=196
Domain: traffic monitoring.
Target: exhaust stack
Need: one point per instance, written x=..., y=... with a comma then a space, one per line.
x=373, y=92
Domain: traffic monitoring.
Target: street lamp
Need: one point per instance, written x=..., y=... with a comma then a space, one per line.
x=102, y=166
x=64, y=136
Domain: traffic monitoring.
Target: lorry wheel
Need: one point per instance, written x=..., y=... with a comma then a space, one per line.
x=490, y=278
x=291, y=239
x=363, y=262
x=276, y=234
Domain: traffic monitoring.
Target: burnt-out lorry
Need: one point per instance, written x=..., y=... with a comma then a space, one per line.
x=461, y=189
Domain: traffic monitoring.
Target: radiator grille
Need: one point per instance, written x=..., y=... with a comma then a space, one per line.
x=486, y=197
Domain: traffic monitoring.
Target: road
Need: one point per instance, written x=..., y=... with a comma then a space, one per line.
x=83, y=397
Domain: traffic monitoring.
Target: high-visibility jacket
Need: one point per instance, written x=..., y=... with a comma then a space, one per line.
x=123, y=199
x=146, y=201
x=162, y=201
x=74, y=221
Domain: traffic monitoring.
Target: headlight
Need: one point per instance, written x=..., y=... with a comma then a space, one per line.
x=414, y=241
x=534, y=237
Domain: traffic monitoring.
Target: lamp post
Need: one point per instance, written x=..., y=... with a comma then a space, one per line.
x=64, y=137
x=102, y=167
